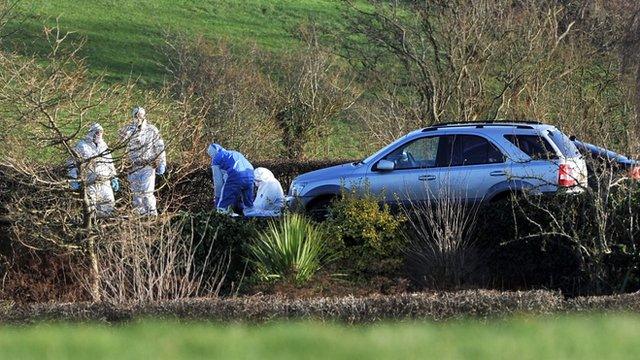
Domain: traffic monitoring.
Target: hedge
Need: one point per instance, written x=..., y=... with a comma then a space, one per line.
x=435, y=306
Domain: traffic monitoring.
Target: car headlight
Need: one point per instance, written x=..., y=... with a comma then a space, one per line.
x=296, y=188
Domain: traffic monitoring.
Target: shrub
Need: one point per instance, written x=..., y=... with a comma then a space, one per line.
x=580, y=244
x=143, y=261
x=294, y=248
x=441, y=251
x=368, y=232
x=227, y=237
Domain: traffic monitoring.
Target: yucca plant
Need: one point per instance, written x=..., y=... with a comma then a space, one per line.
x=293, y=248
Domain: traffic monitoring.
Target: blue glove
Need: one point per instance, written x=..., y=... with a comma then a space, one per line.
x=161, y=169
x=75, y=185
x=115, y=184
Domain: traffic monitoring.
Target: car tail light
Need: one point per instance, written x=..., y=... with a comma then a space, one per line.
x=634, y=173
x=566, y=177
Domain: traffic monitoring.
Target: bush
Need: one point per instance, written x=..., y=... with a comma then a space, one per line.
x=293, y=249
x=368, y=233
x=441, y=251
x=580, y=244
x=229, y=237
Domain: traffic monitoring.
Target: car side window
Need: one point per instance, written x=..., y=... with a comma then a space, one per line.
x=478, y=150
x=461, y=150
x=420, y=153
x=537, y=147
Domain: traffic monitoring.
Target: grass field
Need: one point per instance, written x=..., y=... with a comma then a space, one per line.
x=576, y=337
x=123, y=35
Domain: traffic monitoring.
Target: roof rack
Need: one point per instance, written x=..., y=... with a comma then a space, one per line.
x=481, y=124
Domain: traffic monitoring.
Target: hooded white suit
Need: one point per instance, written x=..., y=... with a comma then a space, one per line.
x=147, y=154
x=98, y=169
x=269, y=199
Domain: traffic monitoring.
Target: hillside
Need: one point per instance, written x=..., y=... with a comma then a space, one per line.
x=123, y=36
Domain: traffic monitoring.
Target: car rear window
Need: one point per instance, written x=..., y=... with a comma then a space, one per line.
x=566, y=146
x=537, y=147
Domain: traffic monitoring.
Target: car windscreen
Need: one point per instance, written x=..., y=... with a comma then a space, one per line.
x=564, y=144
x=383, y=150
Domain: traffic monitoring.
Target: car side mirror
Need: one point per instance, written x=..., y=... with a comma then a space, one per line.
x=385, y=165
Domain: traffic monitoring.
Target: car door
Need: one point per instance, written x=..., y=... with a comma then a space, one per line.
x=468, y=165
x=409, y=181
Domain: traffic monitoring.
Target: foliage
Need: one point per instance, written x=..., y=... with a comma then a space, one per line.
x=223, y=239
x=580, y=244
x=294, y=248
x=441, y=252
x=368, y=232
x=437, y=61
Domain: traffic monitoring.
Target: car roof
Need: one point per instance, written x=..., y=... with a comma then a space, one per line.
x=496, y=125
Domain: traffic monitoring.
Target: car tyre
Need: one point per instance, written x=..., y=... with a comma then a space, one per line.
x=318, y=210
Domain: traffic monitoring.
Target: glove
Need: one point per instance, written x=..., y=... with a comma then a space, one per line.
x=115, y=184
x=75, y=185
x=161, y=169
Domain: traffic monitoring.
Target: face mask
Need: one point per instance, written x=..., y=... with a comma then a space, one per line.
x=97, y=138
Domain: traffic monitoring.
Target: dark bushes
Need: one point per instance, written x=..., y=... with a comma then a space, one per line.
x=223, y=240
x=580, y=244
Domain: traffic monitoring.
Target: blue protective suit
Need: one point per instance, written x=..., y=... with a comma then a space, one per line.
x=237, y=189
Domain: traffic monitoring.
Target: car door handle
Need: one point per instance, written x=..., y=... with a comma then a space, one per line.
x=498, y=173
x=426, y=177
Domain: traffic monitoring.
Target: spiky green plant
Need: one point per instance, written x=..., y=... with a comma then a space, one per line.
x=293, y=248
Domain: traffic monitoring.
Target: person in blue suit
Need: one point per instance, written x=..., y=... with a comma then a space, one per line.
x=232, y=179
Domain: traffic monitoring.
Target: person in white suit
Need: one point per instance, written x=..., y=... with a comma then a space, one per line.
x=146, y=151
x=269, y=199
x=98, y=173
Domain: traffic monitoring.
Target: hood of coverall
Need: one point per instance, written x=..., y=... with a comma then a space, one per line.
x=93, y=130
x=263, y=175
x=213, y=150
x=139, y=115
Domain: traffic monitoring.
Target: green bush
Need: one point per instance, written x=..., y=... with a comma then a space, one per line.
x=366, y=233
x=293, y=249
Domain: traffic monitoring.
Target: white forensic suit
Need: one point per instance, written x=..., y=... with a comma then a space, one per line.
x=147, y=154
x=98, y=171
x=269, y=199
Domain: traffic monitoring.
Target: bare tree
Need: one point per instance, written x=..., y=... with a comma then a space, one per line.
x=314, y=92
x=45, y=107
x=221, y=97
x=436, y=61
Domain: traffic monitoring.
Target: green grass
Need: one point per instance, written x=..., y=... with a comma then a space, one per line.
x=123, y=35
x=593, y=337
x=123, y=39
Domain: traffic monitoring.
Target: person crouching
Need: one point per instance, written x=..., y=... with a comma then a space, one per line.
x=234, y=173
x=269, y=197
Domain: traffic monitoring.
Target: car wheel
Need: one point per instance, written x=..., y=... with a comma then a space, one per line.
x=318, y=210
